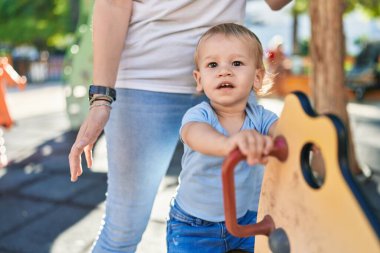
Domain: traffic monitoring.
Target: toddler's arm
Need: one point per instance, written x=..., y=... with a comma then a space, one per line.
x=203, y=138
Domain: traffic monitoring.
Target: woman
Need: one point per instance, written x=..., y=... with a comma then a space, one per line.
x=143, y=49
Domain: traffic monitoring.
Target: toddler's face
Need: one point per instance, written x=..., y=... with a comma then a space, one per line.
x=227, y=69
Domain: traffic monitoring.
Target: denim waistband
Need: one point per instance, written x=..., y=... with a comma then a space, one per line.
x=177, y=213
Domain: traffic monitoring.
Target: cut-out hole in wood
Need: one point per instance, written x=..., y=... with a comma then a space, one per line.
x=313, y=165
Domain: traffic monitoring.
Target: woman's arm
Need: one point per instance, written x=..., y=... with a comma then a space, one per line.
x=110, y=26
x=277, y=4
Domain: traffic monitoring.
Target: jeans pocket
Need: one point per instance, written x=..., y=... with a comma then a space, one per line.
x=176, y=239
x=175, y=224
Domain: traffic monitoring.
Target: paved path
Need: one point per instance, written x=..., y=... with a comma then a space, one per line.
x=42, y=211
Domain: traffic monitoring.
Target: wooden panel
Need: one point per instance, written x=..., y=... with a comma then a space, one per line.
x=328, y=219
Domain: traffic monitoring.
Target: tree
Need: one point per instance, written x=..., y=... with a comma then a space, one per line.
x=327, y=54
x=370, y=7
x=299, y=7
x=43, y=23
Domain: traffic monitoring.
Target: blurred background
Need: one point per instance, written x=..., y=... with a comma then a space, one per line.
x=49, y=42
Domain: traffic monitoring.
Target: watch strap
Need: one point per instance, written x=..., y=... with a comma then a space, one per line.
x=102, y=90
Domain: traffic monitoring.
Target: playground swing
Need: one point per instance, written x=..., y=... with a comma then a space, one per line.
x=8, y=76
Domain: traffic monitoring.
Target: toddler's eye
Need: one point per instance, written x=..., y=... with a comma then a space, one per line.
x=237, y=63
x=212, y=65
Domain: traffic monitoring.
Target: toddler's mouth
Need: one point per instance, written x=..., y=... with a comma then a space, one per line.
x=225, y=85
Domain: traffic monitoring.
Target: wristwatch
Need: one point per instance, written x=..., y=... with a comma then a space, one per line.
x=102, y=90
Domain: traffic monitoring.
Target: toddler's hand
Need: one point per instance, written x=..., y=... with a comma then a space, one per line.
x=253, y=145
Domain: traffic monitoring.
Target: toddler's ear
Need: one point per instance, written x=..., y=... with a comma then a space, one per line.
x=259, y=77
x=197, y=77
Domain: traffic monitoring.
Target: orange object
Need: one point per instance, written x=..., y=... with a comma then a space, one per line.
x=8, y=76
x=298, y=214
x=264, y=227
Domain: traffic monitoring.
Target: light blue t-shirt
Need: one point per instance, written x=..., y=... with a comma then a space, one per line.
x=200, y=192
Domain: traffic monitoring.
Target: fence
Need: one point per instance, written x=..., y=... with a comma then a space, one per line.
x=42, y=70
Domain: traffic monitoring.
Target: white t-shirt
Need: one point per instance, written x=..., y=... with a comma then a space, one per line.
x=161, y=39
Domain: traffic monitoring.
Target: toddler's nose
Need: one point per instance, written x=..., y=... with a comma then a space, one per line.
x=225, y=71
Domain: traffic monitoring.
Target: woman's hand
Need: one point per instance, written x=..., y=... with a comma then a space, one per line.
x=87, y=136
x=253, y=145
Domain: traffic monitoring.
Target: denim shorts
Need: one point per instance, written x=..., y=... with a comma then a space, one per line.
x=186, y=233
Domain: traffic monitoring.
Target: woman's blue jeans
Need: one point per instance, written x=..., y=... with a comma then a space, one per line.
x=141, y=135
x=186, y=233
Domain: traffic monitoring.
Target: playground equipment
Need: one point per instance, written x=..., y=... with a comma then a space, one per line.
x=78, y=68
x=8, y=76
x=296, y=212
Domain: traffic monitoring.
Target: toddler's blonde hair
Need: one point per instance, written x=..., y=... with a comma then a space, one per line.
x=239, y=31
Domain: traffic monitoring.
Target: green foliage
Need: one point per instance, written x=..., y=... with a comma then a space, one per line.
x=44, y=23
x=304, y=47
x=371, y=7
x=300, y=6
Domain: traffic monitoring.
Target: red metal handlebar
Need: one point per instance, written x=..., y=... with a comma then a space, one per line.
x=264, y=227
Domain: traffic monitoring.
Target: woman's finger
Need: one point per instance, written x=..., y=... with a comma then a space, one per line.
x=76, y=152
x=75, y=160
x=87, y=135
x=88, y=155
x=93, y=130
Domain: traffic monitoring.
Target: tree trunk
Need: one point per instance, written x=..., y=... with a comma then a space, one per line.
x=327, y=54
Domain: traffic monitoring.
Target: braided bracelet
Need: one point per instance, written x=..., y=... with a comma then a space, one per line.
x=103, y=104
x=101, y=97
